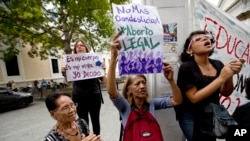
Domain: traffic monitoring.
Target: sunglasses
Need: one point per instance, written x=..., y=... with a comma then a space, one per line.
x=198, y=38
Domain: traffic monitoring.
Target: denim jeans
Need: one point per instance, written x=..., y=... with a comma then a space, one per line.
x=186, y=122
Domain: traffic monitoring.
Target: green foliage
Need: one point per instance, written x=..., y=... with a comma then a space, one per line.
x=52, y=25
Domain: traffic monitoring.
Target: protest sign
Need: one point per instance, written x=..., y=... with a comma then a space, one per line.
x=232, y=42
x=141, y=39
x=83, y=66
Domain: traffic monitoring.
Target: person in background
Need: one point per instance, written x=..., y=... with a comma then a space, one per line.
x=201, y=80
x=242, y=116
x=48, y=85
x=87, y=93
x=67, y=127
x=9, y=85
x=53, y=85
x=242, y=113
x=35, y=88
x=135, y=94
x=13, y=86
x=44, y=86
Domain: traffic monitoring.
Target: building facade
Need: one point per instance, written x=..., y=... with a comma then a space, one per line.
x=24, y=70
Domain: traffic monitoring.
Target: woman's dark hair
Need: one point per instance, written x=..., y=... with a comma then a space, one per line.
x=247, y=88
x=184, y=56
x=50, y=100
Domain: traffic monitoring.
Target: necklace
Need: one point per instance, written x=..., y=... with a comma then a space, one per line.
x=61, y=129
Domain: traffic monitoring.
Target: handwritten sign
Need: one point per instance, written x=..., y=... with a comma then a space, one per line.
x=141, y=39
x=232, y=42
x=83, y=66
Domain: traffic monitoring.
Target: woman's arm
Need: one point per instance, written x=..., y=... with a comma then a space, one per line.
x=223, y=81
x=168, y=73
x=227, y=88
x=196, y=96
x=111, y=81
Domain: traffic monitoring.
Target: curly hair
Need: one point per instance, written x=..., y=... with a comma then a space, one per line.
x=125, y=91
x=184, y=55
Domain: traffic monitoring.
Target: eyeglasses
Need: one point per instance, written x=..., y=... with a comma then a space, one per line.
x=198, y=38
x=67, y=108
x=81, y=45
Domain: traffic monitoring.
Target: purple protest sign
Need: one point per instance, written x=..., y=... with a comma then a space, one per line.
x=141, y=39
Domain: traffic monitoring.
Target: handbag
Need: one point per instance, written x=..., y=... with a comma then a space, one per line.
x=216, y=120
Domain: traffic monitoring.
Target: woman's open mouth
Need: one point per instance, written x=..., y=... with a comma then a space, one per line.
x=207, y=44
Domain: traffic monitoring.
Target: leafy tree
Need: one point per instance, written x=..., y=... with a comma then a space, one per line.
x=50, y=25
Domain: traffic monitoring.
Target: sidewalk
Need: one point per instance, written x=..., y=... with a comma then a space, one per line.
x=110, y=123
x=36, y=116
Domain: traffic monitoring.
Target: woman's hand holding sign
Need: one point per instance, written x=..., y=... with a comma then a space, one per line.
x=115, y=44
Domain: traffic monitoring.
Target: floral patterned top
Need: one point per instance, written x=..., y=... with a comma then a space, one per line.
x=53, y=135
